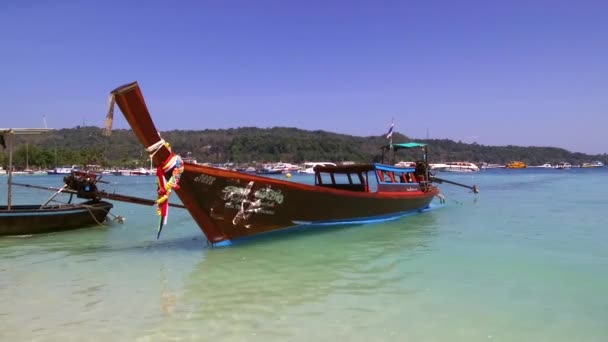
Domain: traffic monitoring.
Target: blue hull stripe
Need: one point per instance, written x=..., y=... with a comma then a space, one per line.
x=305, y=224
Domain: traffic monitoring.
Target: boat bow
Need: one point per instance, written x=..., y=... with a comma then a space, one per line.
x=130, y=100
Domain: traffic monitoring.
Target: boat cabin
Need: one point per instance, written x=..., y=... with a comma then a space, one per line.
x=356, y=177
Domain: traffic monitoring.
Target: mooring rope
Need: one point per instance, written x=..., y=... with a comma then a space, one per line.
x=90, y=209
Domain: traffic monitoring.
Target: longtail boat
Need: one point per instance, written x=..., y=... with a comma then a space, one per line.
x=49, y=216
x=229, y=205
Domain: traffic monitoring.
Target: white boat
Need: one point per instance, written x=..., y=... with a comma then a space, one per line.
x=562, y=166
x=132, y=172
x=406, y=164
x=308, y=167
x=593, y=164
x=455, y=167
x=62, y=170
x=485, y=166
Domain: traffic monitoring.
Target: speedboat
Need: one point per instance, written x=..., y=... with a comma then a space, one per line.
x=455, y=167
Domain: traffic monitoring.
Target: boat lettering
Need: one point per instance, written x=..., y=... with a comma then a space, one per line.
x=235, y=192
x=204, y=179
x=270, y=195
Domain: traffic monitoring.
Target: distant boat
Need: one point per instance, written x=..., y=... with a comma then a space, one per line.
x=455, y=167
x=62, y=170
x=516, y=165
x=563, y=166
x=406, y=164
x=140, y=172
x=485, y=166
x=132, y=172
x=309, y=167
x=593, y=164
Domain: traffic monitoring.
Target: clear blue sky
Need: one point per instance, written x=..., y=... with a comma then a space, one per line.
x=494, y=72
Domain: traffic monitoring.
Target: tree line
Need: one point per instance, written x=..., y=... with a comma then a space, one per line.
x=87, y=146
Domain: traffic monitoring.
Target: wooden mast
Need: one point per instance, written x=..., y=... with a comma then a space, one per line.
x=9, y=138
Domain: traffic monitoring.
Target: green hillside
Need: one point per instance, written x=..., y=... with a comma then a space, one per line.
x=87, y=145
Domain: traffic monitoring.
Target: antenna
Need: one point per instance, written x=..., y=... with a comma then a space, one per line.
x=44, y=121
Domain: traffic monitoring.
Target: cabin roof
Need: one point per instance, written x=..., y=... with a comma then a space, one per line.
x=356, y=168
x=403, y=145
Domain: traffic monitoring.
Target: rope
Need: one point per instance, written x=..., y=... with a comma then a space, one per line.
x=152, y=149
x=90, y=209
x=110, y=117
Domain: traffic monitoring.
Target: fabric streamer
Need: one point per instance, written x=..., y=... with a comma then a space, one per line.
x=168, y=175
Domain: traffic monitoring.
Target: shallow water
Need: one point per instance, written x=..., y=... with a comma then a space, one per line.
x=525, y=260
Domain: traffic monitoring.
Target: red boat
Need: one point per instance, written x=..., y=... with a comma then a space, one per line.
x=228, y=205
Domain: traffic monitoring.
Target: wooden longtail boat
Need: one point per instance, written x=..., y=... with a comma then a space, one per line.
x=45, y=218
x=34, y=219
x=228, y=205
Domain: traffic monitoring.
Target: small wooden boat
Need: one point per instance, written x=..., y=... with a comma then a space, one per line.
x=34, y=219
x=228, y=205
x=46, y=218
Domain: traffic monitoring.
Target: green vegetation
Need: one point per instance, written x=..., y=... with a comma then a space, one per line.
x=86, y=145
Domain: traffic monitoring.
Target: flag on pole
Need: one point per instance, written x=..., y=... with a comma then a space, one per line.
x=389, y=134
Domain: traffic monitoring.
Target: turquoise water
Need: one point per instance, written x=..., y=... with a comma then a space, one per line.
x=525, y=260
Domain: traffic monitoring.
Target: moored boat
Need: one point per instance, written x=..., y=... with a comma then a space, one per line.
x=455, y=167
x=37, y=219
x=592, y=164
x=309, y=167
x=62, y=170
x=228, y=205
x=46, y=217
x=516, y=165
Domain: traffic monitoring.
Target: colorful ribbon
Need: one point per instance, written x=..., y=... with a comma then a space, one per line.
x=175, y=167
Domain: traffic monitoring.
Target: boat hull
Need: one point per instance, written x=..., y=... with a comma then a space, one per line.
x=238, y=205
x=30, y=219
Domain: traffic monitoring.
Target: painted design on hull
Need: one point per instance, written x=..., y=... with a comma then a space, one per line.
x=263, y=201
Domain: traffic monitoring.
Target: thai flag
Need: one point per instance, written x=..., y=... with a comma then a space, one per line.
x=389, y=134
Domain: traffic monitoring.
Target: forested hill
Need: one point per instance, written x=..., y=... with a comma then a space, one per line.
x=87, y=145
